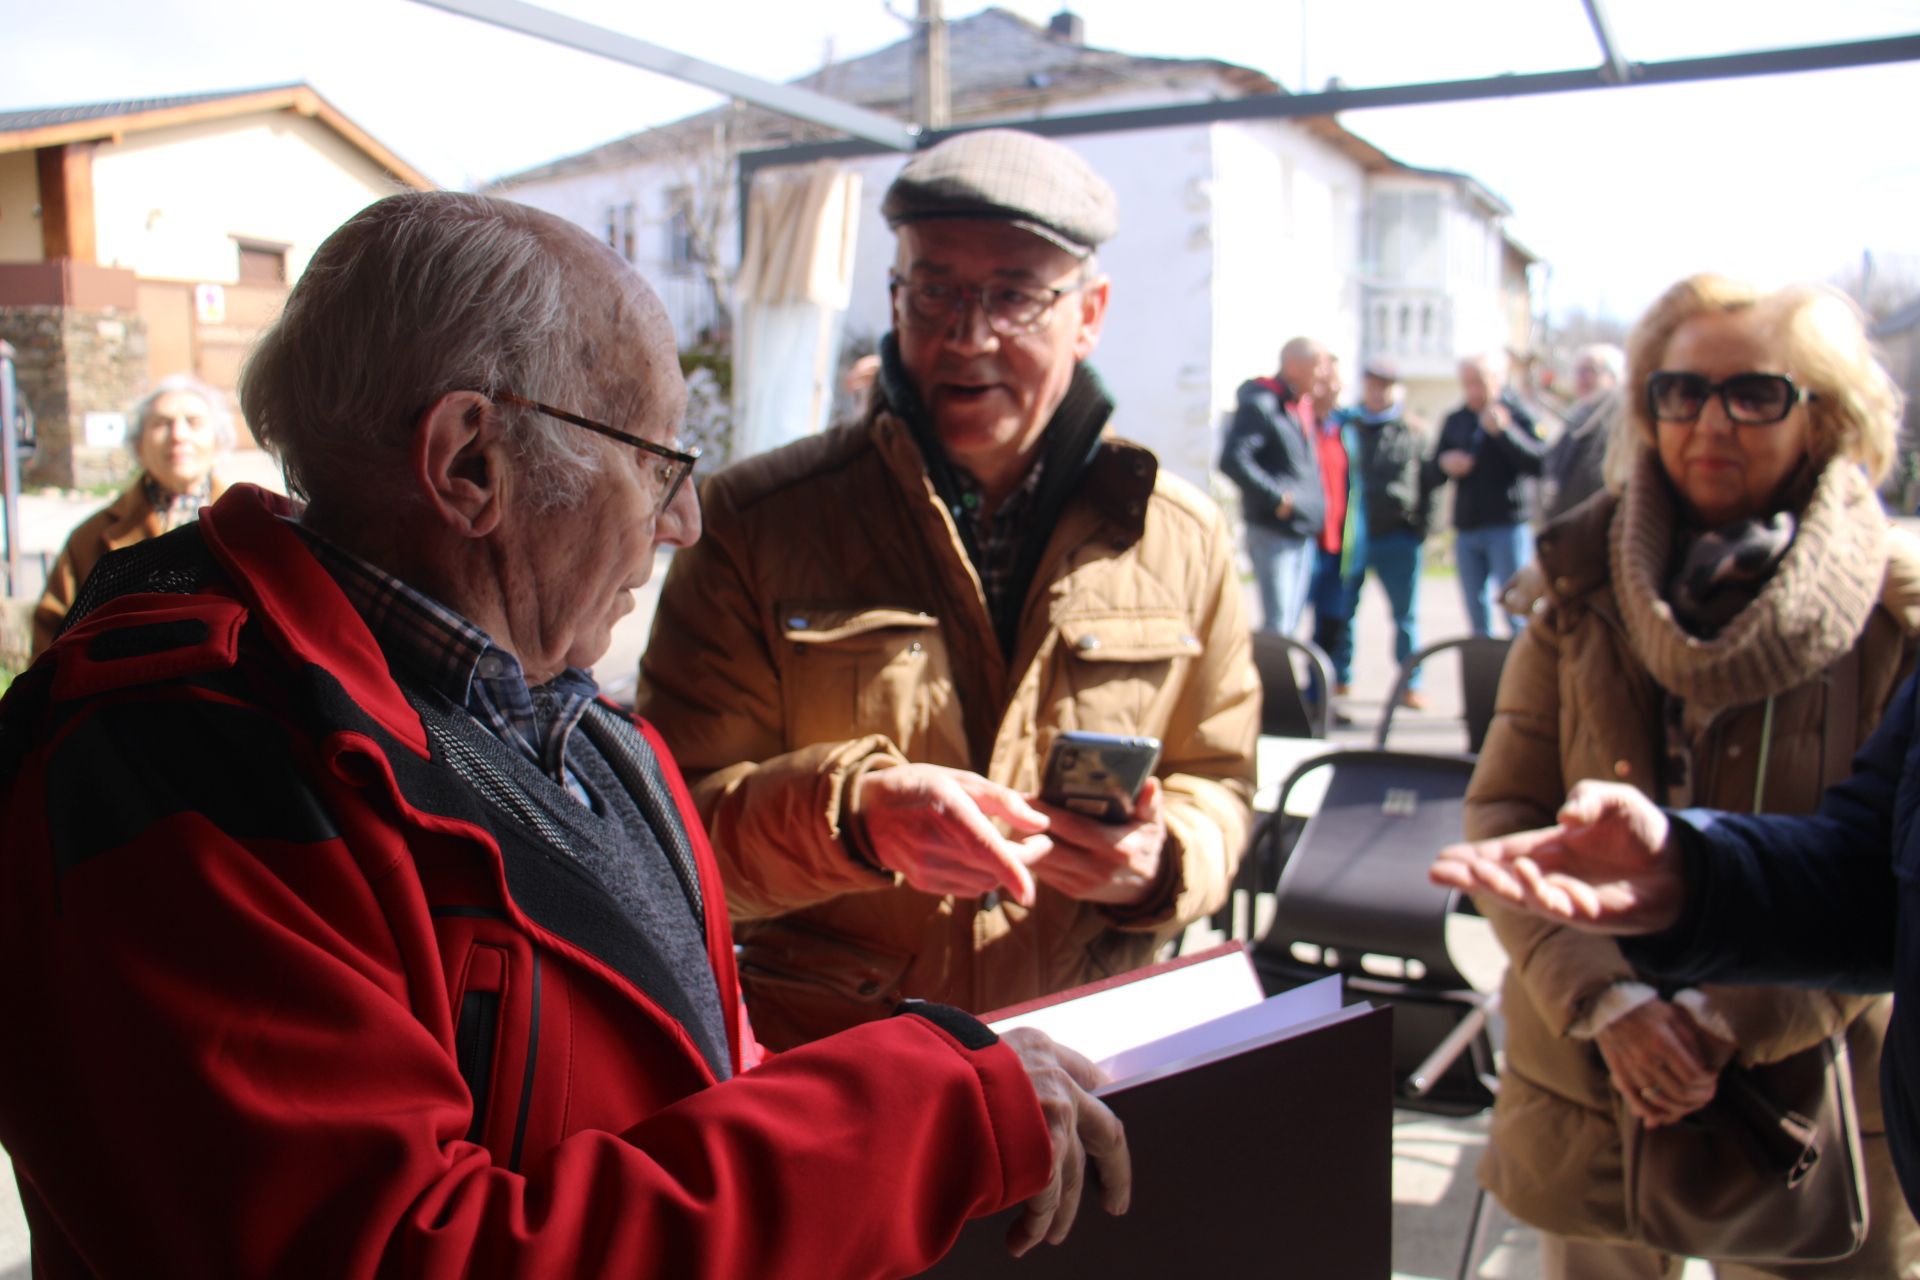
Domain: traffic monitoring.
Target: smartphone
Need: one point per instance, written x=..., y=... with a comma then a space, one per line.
x=1098, y=774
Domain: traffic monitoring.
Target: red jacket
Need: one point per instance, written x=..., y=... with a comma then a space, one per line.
x=259, y=954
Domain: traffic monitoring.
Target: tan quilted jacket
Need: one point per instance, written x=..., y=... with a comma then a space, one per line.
x=829, y=619
x=1580, y=699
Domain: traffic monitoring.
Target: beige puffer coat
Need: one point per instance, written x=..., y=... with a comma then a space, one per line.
x=1581, y=697
x=830, y=620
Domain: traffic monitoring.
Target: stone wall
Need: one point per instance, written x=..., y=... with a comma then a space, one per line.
x=69, y=362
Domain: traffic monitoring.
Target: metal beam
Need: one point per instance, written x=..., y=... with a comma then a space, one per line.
x=1828, y=57
x=1614, y=65
x=884, y=132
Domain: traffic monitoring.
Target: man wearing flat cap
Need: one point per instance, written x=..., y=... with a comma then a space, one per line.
x=1396, y=482
x=863, y=665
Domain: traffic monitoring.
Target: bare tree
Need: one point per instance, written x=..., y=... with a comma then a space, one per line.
x=708, y=173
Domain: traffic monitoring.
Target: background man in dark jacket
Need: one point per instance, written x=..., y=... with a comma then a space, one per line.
x=1269, y=453
x=1489, y=448
x=1576, y=464
x=1389, y=458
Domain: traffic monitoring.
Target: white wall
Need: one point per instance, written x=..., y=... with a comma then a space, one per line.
x=1286, y=249
x=169, y=202
x=1473, y=278
x=19, y=208
x=585, y=200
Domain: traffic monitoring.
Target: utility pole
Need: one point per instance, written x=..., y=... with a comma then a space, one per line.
x=10, y=465
x=932, y=91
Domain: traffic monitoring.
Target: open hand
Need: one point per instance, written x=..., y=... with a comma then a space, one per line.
x=1607, y=867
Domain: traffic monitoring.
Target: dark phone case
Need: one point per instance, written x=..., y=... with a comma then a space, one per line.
x=1098, y=774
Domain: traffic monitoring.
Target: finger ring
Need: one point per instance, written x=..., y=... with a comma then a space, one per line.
x=1650, y=1092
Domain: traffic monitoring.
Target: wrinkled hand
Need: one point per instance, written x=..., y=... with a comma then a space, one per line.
x=1456, y=462
x=1081, y=1128
x=1606, y=868
x=934, y=825
x=1115, y=863
x=1659, y=1062
x=1495, y=419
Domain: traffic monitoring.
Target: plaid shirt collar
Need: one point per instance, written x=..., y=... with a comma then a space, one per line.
x=999, y=535
x=459, y=661
x=175, y=509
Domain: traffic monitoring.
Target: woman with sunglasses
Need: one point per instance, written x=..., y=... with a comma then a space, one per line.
x=1723, y=628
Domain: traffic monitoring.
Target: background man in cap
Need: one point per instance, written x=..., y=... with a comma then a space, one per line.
x=1396, y=493
x=864, y=663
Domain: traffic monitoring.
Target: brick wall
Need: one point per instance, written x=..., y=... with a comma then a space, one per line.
x=70, y=362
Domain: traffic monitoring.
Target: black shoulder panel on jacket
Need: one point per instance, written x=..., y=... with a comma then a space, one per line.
x=958, y=1023
x=131, y=764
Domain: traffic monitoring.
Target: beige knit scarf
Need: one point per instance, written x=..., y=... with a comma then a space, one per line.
x=1801, y=622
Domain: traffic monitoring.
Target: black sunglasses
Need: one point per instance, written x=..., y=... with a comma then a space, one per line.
x=675, y=464
x=1750, y=399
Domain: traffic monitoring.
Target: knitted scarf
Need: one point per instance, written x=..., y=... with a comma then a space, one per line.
x=1797, y=623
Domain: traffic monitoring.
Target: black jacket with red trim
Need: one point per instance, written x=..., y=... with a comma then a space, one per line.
x=290, y=991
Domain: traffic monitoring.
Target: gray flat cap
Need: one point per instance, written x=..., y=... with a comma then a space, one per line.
x=1016, y=177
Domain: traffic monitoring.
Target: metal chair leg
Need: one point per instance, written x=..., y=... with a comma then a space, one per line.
x=1465, y=1270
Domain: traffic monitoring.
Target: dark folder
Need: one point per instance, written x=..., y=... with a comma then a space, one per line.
x=1272, y=1160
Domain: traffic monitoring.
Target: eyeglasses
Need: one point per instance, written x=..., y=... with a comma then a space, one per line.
x=674, y=465
x=1750, y=399
x=1011, y=309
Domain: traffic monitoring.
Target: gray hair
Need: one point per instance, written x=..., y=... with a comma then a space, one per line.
x=1605, y=357
x=416, y=296
x=219, y=415
x=1493, y=365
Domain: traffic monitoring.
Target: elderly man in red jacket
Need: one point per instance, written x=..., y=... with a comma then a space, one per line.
x=344, y=929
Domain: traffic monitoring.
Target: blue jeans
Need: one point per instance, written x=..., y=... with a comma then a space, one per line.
x=1394, y=559
x=1282, y=569
x=1334, y=598
x=1488, y=556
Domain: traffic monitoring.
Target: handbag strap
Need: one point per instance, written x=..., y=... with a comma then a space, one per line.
x=1840, y=733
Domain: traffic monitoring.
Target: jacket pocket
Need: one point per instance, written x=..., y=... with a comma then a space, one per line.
x=872, y=669
x=814, y=966
x=1119, y=668
x=474, y=1043
x=476, y=1037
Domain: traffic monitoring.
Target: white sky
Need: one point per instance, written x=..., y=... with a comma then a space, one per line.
x=1622, y=191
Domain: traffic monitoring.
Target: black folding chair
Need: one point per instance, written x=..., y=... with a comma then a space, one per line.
x=1290, y=708
x=1482, y=658
x=1351, y=897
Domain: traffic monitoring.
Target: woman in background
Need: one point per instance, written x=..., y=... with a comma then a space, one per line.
x=180, y=429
